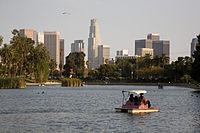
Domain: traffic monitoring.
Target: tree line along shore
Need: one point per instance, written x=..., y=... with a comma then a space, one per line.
x=21, y=60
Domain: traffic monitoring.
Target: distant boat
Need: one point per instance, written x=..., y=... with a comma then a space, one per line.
x=41, y=85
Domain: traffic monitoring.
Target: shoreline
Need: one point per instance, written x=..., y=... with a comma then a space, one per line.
x=47, y=83
x=137, y=84
x=149, y=84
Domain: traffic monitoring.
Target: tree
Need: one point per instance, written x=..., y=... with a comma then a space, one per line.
x=88, y=64
x=195, y=72
x=52, y=66
x=75, y=63
x=147, y=60
x=42, y=72
x=1, y=40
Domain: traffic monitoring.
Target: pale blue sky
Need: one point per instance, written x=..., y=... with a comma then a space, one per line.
x=121, y=21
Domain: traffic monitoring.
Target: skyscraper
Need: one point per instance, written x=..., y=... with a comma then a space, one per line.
x=193, y=45
x=161, y=47
x=144, y=43
x=93, y=43
x=62, y=49
x=103, y=54
x=52, y=43
x=78, y=46
x=29, y=34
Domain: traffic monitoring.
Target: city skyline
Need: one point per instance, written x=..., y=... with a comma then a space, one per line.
x=121, y=22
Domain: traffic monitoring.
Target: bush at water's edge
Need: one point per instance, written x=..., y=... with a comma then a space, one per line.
x=12, y=83
x=71, y=82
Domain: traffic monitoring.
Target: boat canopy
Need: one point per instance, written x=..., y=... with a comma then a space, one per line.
x=135, y=91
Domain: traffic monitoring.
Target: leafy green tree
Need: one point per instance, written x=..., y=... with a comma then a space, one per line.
x=52, y=66
x=75, y=62
x=42, y=72
x=195, y=72
x=93, y=74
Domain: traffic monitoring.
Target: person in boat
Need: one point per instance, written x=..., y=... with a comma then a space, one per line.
x=136, y=100
x=142, y=98
x=131, y=98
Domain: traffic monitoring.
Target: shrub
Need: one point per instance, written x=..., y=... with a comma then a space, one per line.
x=11, y=83
x=72, y=82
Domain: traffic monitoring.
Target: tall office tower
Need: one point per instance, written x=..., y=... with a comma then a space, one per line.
x=93, y=42
x=103, y=54
x=122, y=52
x=29, y=34
x=153, y=37
x=52, y=43
x=40, y=38
x=78, y=46
x=145, y=43
x=193, y=45
x=161, y=47
x=143, y=51
x=62, y=49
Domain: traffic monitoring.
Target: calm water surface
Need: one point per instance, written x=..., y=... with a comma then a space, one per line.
x=91, y=109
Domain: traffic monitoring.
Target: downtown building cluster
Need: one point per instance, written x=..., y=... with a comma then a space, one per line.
x=98, y=53
x=152, y=46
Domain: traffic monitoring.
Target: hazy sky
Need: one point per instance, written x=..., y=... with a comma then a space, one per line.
x=121, y=21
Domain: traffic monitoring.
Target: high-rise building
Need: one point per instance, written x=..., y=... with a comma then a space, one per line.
x=145, y=43
x=103, y=53
x=161, y=47
x=153, y=37
x=93, y=42
x=122, y=52
x=40, y=38
x=52, y=43
x=78, y=46
x=29, y=34
x=193, y=45
x=143, y=51
x=62, y=49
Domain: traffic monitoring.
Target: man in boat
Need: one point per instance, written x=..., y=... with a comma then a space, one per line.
x=131, y=98
x=136, y=100
x=142, y=98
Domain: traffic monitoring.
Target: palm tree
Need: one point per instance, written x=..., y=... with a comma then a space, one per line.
x=106, y=61
x=157, y=61
x=164, y=60
x=147, y=60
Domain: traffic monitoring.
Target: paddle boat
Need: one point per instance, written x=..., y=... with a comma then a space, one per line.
x=132, y=107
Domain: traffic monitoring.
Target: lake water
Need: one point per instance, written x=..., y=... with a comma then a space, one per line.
x=91, y=109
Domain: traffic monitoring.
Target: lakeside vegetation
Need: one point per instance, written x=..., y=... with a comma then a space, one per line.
x=12, y=83
x=20, y=59
x=71, y=82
